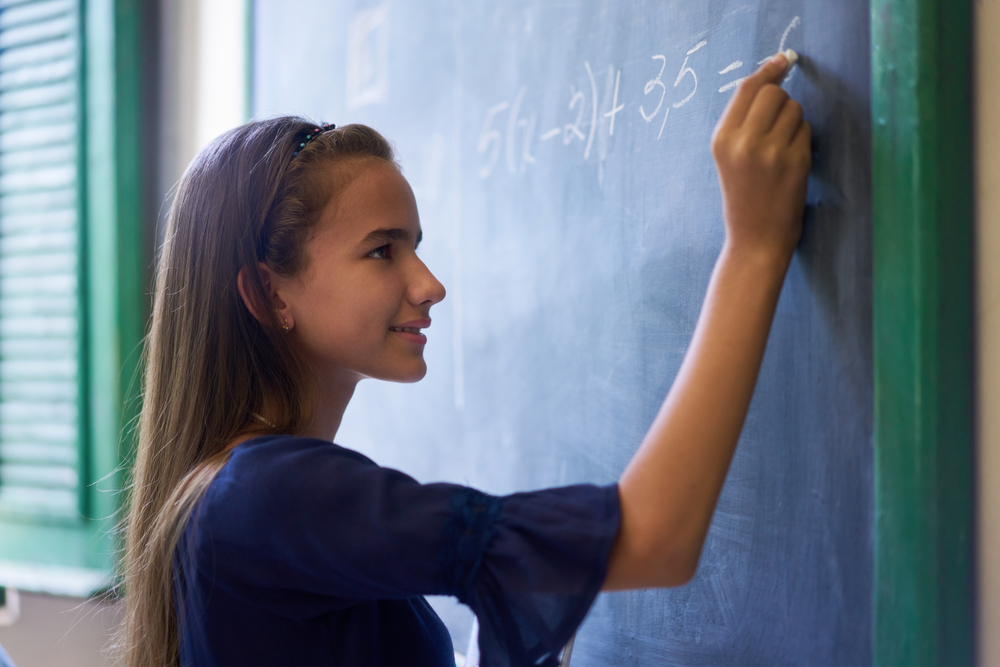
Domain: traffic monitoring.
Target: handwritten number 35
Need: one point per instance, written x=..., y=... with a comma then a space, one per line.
x=650, y=85
x=654, y=82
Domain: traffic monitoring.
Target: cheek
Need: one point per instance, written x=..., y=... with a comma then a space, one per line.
x=353, y=316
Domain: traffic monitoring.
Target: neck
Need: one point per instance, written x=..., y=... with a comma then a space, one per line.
x=332, y=394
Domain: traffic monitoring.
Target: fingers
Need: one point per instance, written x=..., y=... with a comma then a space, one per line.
x=802, y=143
x=739, y=105
x=765, y=109
x=786, y=125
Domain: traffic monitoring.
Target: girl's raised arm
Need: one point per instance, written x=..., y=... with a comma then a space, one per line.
x=669, y=490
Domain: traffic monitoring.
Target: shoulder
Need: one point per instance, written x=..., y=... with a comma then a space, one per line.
x=275, y=471
x=290, y=450
x=282, y=498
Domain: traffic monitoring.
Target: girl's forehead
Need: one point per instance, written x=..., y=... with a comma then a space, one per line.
x=375, y=196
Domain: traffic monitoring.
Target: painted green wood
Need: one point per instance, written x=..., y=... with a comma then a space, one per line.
x=52, y=544
x=134, y=259
x=83, y=335
x=922, y=254
x=59, y=537
x=40, y=461
x=101, y=221
x=115, y=276
x=116, y=252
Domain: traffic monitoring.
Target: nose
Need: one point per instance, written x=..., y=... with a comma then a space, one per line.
x=424, y=288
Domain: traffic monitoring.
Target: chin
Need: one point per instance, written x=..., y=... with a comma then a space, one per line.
x=418, y=375
x=408, y=376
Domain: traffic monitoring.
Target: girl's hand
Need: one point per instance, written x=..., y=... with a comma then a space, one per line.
x=762, y=152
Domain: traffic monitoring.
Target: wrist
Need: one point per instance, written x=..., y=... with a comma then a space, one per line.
x=765, y=260
x=754, y=268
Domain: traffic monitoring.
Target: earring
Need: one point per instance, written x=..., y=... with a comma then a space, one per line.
x=285, y=325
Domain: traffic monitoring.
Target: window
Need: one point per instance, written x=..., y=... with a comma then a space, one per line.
x=72, y=283
x=40, y=341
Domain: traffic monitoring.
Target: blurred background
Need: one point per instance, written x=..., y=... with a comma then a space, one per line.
x=102, y=105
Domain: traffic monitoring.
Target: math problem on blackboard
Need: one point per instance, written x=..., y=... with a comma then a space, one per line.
x=560, y=156
x=510, y=129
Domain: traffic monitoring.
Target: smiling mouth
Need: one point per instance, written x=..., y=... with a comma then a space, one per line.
x=414, y=330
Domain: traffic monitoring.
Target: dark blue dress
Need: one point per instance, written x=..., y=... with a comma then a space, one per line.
x=305, y=553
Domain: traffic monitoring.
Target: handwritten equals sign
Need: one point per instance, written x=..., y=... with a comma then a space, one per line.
x=729, y=68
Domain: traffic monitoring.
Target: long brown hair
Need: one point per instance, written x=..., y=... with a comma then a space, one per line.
x=209, y=363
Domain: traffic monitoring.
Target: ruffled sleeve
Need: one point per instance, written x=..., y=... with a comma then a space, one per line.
x=529, y=565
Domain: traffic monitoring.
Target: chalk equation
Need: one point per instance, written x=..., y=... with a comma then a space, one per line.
x=511, y=132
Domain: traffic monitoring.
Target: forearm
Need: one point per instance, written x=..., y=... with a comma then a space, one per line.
x=670, y=488
x=668, y=492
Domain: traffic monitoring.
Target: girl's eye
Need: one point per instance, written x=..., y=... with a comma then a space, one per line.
x=382, y=252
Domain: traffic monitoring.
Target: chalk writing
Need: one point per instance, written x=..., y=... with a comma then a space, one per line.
x=584, y=121
x=490, y=135
x=796, y=22
x=651, y=86
x=367, y=58
x=615, y=107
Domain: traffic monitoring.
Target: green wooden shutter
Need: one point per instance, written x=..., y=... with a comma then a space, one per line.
x=73, y=281
x=41, y=457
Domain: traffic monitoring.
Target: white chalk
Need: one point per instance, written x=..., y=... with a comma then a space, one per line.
x=790, y=56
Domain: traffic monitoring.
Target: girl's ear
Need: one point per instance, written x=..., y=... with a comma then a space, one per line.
x=269, y=280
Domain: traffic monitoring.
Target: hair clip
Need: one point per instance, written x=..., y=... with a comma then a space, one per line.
x=315, y=132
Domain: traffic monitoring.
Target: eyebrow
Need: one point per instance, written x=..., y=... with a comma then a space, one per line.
x=388, y=236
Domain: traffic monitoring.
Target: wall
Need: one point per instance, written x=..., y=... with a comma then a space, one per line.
x=65, y=631
x=987, y=142
x=202, y=81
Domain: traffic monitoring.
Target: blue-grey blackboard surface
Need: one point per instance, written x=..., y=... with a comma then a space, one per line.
x=559, y=154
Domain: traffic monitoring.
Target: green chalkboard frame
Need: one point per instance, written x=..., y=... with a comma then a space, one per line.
x=923, y=598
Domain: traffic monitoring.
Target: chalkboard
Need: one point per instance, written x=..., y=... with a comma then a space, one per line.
x=559, y=155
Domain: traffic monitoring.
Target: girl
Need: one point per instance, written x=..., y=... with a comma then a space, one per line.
x=288, y=274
